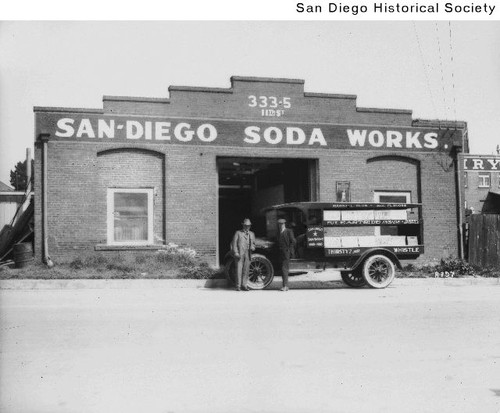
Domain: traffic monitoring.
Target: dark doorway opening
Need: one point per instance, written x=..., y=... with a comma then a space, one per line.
x=248, y=185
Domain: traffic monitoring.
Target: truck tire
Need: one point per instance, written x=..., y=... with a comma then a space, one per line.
x=378, y=271
x=353, y=279
x=261, y=272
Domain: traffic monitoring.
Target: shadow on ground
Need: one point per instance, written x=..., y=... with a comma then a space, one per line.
x=294, y=284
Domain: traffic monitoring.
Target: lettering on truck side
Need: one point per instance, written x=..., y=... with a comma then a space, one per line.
x=406, y=250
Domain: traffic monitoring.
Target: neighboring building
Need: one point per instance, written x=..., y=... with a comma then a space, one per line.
x=480, y=177
x=9, y=203
x=142, y=172
x=5, y=188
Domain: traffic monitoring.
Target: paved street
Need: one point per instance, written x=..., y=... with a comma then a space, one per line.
x=402, y=349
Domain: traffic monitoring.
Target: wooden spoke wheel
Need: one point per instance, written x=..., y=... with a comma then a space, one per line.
x=378, y=271
x=260, y=275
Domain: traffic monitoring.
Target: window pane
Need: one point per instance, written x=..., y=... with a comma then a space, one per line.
x=396, y=199
x=484, y=180
x=130, y=216
x=314, y=216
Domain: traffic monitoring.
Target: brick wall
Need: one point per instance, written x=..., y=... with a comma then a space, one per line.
x=476, y=195
x=440, y=207
x=185, y=176
x=71, y=198
x=232, y=103
x=78, y=179
x=397, y=174
x=192, y=198
x=37, y=185
x=131, y=168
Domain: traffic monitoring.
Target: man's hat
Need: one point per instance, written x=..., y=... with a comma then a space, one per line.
x=281, y=221
x=246, y=221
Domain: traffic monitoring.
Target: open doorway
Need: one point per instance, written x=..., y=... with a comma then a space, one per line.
x=247, y=185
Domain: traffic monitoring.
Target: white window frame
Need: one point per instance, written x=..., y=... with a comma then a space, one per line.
x=110, y=215
x=376, y=198
x=484, y=180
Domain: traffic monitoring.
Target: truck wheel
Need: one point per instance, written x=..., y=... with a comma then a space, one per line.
x=261, y=272
x=353, y=279
x=378, y=271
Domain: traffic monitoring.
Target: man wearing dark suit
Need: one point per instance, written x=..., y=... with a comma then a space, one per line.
x=242, y=245
x=286, y=243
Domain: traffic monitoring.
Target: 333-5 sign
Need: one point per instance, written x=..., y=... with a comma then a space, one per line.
x=269, y=102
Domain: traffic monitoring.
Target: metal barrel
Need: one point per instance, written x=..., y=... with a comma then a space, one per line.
x=23, y=254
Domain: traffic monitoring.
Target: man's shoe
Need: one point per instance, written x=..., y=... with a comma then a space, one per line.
x=237, y=289
x=285, y=288
x=245, y=288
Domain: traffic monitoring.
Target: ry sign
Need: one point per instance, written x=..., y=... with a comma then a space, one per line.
x=481, y=163
x=113, y=128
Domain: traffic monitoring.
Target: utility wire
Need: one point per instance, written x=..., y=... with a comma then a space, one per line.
x=425, y=70
x=452, y=74
x=441, y=66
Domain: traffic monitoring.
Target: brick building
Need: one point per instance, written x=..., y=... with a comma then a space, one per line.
x=142, y=172
x=480, y=179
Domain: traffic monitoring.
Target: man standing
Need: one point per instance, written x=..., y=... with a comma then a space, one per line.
x=286, y=242
x=242, y=245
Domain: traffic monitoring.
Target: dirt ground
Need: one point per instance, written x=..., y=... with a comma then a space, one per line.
x=407, y=348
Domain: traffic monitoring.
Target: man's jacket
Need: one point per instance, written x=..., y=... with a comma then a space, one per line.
x=286, y=243
x=242, y=243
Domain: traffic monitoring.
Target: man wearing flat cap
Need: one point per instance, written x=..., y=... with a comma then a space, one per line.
x=286, y=243
x=242, y=245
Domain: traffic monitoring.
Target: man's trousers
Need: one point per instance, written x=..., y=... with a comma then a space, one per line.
x=242, y=270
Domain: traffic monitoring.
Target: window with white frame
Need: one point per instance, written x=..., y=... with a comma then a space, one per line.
x=484, y=180
x=130, y=216
x=403, y=197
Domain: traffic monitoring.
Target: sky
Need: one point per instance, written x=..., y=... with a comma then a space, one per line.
x=439, y=70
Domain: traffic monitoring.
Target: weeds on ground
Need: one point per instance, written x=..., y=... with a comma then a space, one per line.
x=489, y=272
x=168, y=263
x=447, y=268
